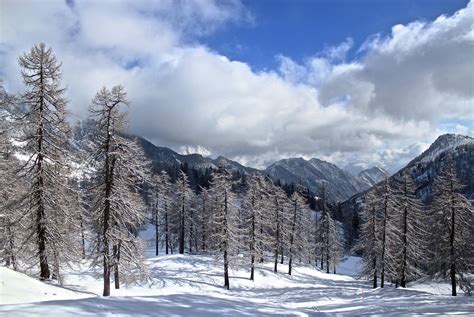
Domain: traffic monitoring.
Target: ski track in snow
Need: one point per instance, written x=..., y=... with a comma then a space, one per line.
x=191, y=285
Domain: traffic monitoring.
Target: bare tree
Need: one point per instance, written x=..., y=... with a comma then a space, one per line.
x=118, y=208
x=45, y=135
x=452, y=231
x=224, y=220
x=369, y=242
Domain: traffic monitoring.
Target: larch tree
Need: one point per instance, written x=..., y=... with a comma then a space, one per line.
x=255, y=207
x=225, y=235
x=369, y=238
x=45, y=135
x=205, y=216
x=388, y=232
x=118, y=208
x=279, y=222
x=160, y=201
x=298, y=242
x=452, y=231
x=328, y=235
x=412, y=231
x=11, y=187
x=184, y=195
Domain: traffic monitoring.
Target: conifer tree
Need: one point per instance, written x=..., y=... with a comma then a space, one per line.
x=256, y=218
x=118, y=208
x=452, y=231
x=410, y=218
x=224, y=220
x=369, y=241
x=45, y=133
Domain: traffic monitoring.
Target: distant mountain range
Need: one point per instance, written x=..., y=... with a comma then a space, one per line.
x=163, y=157
x=312, y=173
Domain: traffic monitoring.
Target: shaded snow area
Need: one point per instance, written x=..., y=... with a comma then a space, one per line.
x=190, y=285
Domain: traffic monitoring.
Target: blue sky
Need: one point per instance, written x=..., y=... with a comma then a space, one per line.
x=356, y=83
x=302, y=28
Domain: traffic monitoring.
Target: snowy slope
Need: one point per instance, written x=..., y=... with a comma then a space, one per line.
x=190, y=285
x=373, y=175
x=16, y=287
x=339, y=183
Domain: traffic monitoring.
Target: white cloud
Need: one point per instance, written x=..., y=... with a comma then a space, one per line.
x=382, y=108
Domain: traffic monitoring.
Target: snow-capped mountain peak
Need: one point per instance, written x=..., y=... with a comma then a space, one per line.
x=188, y=149
x=373, y=175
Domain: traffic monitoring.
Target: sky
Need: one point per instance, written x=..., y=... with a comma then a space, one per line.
x=356, y=83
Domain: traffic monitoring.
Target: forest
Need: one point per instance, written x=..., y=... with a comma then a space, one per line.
x=63, y=201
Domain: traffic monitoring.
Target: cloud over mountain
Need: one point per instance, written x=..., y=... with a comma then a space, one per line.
x=385, y=106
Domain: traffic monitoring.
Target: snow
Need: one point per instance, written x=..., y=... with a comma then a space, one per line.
x=191, y=285
x=16, y=288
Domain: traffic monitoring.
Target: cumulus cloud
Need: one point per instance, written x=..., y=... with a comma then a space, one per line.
x=383, y=108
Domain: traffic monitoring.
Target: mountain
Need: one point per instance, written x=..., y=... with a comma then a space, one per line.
x=424, y=169
x=373, y=175
x=313, y=173
x=165, y=158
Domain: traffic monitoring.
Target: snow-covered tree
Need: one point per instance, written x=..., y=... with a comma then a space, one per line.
x=224, y=222
x=204, y=201
x=410, y=219
x=279, y=222
x=329, y=237
x=369, y=241
x=299, y=230
x=118, y=207
x=11, y=187
x=183, y=198
x=255, y=214
x=45, y=135
x=159, y=203
x=388, y=233
x=452, y=234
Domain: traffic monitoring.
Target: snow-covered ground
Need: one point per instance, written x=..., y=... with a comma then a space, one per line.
x=191, y=285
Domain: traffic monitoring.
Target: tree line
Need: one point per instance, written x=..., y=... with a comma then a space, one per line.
x=403, y=240
x=63, y=202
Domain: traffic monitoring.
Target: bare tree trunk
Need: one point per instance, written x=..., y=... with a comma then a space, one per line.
x=292, y=238
x=83, y=240
x=252, y=245
x=167, y=238
x=374, y=266
x=191, y=233
x=382, y=270
x=226, y=259
x=157, y=237
x=40, y=214
x=116, y=266
x=181, y=230
x=451, y=242
x=203, y=242
x=11, y=260
x=226, y=271
x=109, y=167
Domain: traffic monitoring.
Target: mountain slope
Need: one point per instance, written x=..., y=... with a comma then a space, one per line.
x=164, y=158
x=424, y=169
x=373, y=175
x=313, y=173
